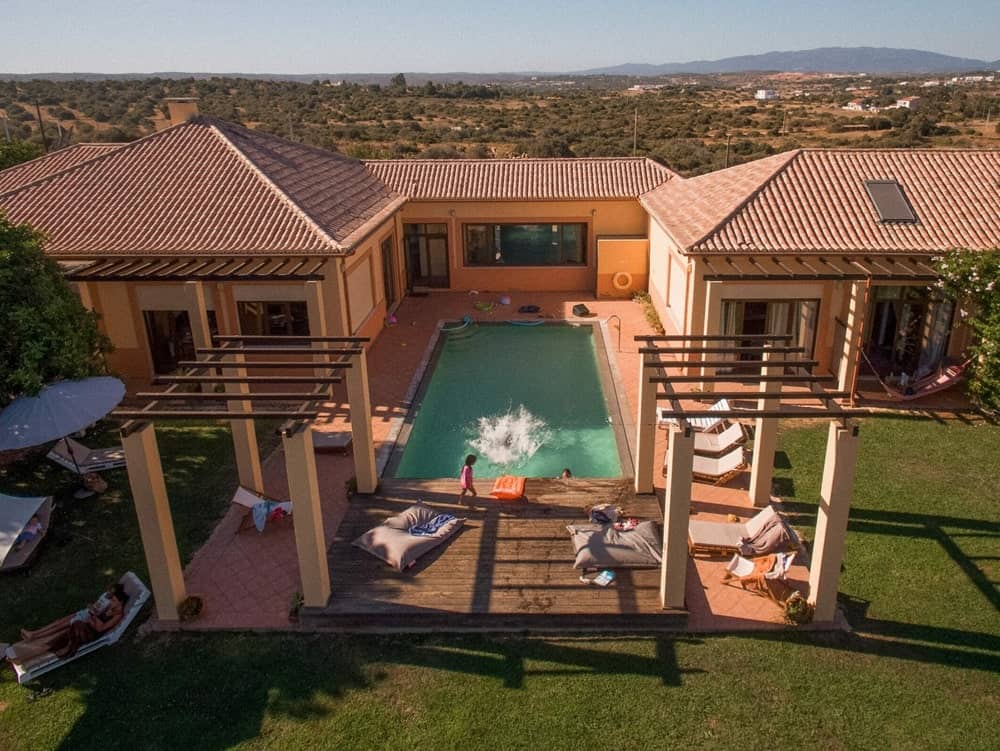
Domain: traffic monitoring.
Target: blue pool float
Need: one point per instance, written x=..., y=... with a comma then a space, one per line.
x=512, y=322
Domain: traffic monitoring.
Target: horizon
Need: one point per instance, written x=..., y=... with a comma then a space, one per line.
x=445, y=36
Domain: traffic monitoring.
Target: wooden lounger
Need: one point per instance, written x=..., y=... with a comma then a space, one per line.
x=698, y=424
x=137, y=592
x=83, y=460
x=719, y=443
x=725, y=537
x=719, y=470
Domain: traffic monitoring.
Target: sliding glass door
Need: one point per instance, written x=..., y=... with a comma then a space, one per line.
x=426, y=248
x=753, y=318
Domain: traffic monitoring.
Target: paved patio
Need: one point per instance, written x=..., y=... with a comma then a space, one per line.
x=248, y=579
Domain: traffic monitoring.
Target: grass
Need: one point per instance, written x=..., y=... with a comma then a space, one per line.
x=921, y=671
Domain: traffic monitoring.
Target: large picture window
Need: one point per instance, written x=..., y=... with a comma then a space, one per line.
x=273, y=318
x=526, y=244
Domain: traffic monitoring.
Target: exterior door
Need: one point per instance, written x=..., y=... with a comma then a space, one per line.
x=426, y=255
x=170, y=340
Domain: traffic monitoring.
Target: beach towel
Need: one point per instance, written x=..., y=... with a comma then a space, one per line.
x=265, y=511
x=774, y=536
x=430, y=528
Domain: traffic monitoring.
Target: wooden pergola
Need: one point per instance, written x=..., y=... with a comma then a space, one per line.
x=234, y=361
x=661, y=358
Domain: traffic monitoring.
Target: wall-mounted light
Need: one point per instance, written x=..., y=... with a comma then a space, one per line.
x=451, y=212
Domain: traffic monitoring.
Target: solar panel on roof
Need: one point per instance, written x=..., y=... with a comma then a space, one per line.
x=890, y=202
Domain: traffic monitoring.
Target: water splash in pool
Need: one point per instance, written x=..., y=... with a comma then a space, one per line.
x=511, y=437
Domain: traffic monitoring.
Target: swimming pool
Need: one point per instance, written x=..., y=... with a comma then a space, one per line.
x=527, y=400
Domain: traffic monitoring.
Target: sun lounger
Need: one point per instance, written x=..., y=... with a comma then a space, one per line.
x=719, y=470
x=725, y=537
x=718, y=443
x=702, y=424
x=137, y=596
x=15, y=512
x=248, y=499
x=83, y=459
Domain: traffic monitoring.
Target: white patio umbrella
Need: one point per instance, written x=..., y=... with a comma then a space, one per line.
x=59, y=410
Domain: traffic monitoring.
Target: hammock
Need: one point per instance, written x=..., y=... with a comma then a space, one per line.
x=943, y=379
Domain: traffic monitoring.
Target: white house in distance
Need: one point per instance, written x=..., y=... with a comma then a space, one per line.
x=765, y=95
x=855, y=105
x=909, y=103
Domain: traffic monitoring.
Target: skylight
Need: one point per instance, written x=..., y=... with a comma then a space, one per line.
x=890, y=202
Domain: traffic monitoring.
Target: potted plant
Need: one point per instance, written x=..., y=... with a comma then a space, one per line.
x=191, y=608
x=798, y=610
x=351, y=486
x=295, y=606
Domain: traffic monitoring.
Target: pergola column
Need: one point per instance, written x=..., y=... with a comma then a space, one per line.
x=156, y=527
x=244, y=433
x=307, y=516
x=853, y=325
x=645, y=428
x=317, y=321
x=197, y=310
x=360, y=403
x=676, y=509
x=831, y=520
x=765, y=437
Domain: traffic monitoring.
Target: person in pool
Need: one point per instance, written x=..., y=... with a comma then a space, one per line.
x=466, y=478
x=566, y=474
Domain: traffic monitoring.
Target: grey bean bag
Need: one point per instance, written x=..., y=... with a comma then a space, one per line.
x=605, y=547
x=393, y=542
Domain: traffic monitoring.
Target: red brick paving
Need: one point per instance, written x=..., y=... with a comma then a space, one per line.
x=248, y=579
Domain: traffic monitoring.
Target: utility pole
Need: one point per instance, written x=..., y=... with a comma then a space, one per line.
x=41, y=127
x=635, y=132
x=729, y=137
x=6, y=129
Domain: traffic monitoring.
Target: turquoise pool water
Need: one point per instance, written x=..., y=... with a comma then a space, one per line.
x=525, y=400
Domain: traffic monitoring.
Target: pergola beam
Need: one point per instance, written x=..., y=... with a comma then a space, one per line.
x=219, y=414
x=820, y=412
x=710, y=337
x=782, y=396
x=718, y=350
x=223, y=365
x=254, y=379
x=730, y=364
x=275, y=396
x=296, y=338
x=742, y=379
x=277, y=350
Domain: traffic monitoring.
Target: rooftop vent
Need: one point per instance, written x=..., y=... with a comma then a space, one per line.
x=890, y=202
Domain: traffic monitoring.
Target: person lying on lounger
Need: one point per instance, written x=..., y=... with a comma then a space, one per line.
x=65, y=636
x=31, y=530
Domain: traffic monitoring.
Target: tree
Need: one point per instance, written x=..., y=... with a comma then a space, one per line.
x=398, y=82
x=47, y=333
x=16, y=152
x=972, y=280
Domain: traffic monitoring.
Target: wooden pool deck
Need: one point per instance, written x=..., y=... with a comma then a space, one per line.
x=509, y=569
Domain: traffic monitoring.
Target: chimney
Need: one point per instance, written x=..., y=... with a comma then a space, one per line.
x=182, y=108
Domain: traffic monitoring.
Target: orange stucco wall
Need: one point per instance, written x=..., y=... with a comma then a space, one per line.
x=622, y=266
x=603, y=219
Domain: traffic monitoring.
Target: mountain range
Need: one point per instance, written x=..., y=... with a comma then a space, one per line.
x=871, y=60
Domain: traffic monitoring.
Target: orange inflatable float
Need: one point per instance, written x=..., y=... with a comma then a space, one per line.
x=508, y=488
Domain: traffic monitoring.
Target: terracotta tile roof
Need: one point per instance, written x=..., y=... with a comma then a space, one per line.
x=520, y=179
x=56, y=161
x=815, y=201
x=206, y=187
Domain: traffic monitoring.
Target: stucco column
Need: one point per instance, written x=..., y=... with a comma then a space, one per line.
x=85, y=292
x=156, y=527
x=676, y=509
x=244, y=433
x=360, y=403
x=197, y=310
x=853, y=325
x=765, y=438
x=645, y=428
x=831, y=519
x=713, y=325
x=317, y=321
x=307, y=516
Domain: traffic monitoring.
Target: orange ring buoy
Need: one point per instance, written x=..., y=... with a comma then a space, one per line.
x=622, y=280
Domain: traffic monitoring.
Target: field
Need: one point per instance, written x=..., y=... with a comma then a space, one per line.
x=691, y=124
x=921, y=670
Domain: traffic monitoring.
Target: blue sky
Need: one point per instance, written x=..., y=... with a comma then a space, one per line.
x=371, y=36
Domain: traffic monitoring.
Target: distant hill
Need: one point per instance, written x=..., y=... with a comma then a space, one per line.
x=820, y=60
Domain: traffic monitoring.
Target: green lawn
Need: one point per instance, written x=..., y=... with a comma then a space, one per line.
x=921, y=671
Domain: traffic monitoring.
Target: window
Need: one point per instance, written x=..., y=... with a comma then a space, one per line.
x=890, y=202
x=170, y=340
x=796, y=318
x=525, y=244
x=273, y=318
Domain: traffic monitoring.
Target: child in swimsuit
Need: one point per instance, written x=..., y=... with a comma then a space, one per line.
x=466, y=478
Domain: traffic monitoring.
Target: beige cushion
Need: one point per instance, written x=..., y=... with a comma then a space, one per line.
x=392, y=542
